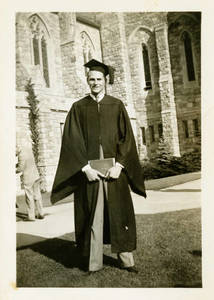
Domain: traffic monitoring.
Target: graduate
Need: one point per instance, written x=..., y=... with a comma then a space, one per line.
x=97, y=128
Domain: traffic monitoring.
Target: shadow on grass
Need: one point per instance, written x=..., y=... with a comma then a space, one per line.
x=196, y=253
x=20, y=216
x=190, y=285
x=24, y=241
x=168, y=255
x=110, y=261
x=181, y=190
x=60, y=250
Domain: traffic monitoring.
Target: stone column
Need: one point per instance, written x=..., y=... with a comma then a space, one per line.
x=168, y=108
x=115, y=53
x=73, y=86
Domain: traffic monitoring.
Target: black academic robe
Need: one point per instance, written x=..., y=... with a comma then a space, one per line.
x=86, y=127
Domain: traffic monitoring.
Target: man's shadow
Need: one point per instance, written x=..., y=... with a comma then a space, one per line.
x=61, y=250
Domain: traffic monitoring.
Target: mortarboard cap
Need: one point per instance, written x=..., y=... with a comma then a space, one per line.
x=95, y=65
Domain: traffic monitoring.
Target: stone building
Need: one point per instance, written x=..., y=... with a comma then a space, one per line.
x=157, y=60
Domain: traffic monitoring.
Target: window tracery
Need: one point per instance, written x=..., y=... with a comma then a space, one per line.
x=87, y=48
x=40, y=38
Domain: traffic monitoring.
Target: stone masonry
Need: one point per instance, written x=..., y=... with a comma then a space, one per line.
x=51, y=49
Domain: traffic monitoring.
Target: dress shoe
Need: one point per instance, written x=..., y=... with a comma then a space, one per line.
x=130, y=269
x=40, y=217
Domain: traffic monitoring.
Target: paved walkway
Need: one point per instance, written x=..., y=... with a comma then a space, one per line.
x=178, y=197
x=59, y=219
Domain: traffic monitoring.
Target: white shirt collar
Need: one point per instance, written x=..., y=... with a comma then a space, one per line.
x=99, y=97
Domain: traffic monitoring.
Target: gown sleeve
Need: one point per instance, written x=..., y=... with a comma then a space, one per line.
x=127, y=154
x=72, y=158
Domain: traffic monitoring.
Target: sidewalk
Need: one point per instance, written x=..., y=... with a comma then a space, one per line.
x=59, y=219
x=178, y=197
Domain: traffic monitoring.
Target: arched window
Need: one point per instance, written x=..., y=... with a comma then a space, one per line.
x=185, y=128
x=196, y=127
x=36, y=50
x=40, y=46
x=146, y=65
x=160, y=130
x=152, y=133
x=87, y=48
x=143, y=131
x=188, y=56
x=45, y=61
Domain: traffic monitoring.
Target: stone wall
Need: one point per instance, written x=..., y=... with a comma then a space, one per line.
x=76, y=37
x=140, y=30
x=53, y=105
x=51, y=123
x=22, y=115
x=25, y=58
x=187, y=93
x=151, y=105
x=116, y=38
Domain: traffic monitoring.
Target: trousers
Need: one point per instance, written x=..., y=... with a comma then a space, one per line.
x=96, y=247
x=33, y=200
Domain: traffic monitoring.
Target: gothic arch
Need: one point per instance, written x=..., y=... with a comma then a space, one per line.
x=85, y=35
x=40, y=46
x=183, y=35
x=185, y=29
x=146, y=29
x=41, y=20
x=87, y=46
x=186, y=41
x=141, y=44
x=146, y=66
x=186, y=15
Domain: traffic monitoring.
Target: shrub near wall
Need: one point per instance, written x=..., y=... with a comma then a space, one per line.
x=33, y=118
x=163, y=164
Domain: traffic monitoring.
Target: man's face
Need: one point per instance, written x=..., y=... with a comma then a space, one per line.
x=96, y=82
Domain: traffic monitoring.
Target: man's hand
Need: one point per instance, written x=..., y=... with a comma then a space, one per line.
x=114, y=172
x=93, y=175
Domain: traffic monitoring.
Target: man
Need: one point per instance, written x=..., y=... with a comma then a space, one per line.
x=98, y=127
x=31, y=181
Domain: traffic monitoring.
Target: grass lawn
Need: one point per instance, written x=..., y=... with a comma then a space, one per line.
x=168, y=255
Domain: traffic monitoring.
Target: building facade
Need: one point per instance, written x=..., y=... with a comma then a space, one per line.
x=157, y=60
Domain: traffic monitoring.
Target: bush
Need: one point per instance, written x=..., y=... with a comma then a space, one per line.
x=159, y=167
x=162, y=155
x=33, y=118
x=192, y=161
x=152, y=170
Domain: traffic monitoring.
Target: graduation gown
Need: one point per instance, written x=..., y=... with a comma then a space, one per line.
x=86, y=128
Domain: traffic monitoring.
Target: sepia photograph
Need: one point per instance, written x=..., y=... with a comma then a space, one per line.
x=108, y=149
